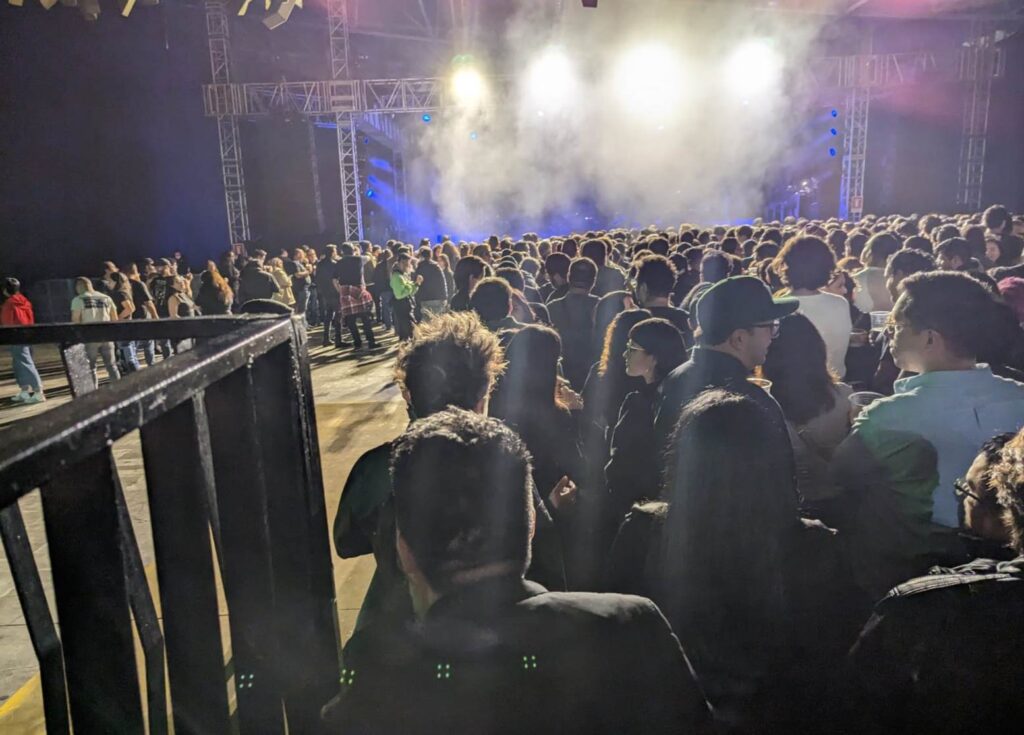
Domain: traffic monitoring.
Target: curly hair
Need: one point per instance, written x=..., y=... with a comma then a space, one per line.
x=805, y=263
x=1007, y=480
x=451, y=360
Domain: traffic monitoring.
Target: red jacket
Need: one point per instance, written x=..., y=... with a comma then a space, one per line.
x=17, y=310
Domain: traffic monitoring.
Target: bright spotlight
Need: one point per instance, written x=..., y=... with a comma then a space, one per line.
x=754, y=68
x=649, y=80
x=550, y=80
x=468, y=86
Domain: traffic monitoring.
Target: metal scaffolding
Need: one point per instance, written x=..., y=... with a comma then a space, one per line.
x=231, y=168
x=345, y=119
x=855, y=152
x=981, y=62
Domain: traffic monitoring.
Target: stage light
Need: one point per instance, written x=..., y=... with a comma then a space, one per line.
x=835, y=113
x=833, y=131
x=472, y=136
x=832, y=152
x=550, y=80
x=426, y=118
x=370, y=193
x=468, y=86
x=754, y=68
x=648, y=80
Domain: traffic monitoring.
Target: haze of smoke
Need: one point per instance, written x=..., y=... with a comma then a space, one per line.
x=702, y=158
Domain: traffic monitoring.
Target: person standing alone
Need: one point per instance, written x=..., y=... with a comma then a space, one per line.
x=17, y=312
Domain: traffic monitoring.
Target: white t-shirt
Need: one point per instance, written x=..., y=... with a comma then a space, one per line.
x=831, y=315
x=95, y=306
x=871, y=294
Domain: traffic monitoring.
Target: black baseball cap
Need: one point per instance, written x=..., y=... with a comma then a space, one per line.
x=737, y=303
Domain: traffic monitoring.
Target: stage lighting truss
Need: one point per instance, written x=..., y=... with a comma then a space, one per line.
x=89, y=9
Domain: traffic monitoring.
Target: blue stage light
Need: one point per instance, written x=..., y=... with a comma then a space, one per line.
x=427, y=118
x=832, y=152
x=370, y=193
x=835, y=113
x=472, y=136
x=833, y=131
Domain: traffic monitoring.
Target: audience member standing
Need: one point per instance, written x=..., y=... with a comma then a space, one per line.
x=573, y=317
x=144, y=308
x=806, y=265
x=655, y=279
x=355, y=304
x=17, y=312
x=327, y=295
x=255, y=282
x=88, y=307
x=403, y=290
x=433, y=292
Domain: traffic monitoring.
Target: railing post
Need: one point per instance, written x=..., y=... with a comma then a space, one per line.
x=179, y=479
x=80, y=513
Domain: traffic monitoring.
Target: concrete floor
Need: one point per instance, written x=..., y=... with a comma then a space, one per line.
x=357, y=407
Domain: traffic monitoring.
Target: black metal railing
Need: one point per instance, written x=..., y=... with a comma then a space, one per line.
x=234, y=484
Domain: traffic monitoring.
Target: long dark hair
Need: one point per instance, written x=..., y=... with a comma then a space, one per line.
x=797, y=365
x=731, y=502
x=615, y=338
x=530, y=381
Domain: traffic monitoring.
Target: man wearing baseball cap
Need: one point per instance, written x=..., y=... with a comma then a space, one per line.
x=737, y=320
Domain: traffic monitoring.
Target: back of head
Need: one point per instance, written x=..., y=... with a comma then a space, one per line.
x=512, y=276
x=908, y=262
x=714, y=267
x=658, y=274
x=595, y=250
x=956, y=306
x=452, y=360
x=468, y=267
x=582, y=273
x=805, y=263
x=997, y=218
x=955, y=247
x=11, y=286
x=532, y=373
x=491, y=299
x=661, y=339
x=731, y=499
x=557, y=264
x=879, y=248
x=922, y=244
x=462, y=489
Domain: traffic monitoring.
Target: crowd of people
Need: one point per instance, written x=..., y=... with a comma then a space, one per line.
x=764, y=478
x=760, y=478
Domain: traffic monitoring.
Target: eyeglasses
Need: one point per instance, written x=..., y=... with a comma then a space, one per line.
x=774, y=326
x=634, y=347
x=963, y=490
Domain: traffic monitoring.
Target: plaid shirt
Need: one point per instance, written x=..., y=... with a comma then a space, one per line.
x=354, y=300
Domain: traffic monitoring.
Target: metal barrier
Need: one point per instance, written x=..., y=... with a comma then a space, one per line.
x=233, y=477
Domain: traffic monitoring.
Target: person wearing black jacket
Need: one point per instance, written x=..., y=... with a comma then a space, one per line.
x=327, y=295
x=432, y=297
x=493, y=653
x=254, y=282
x=738, y=320
x=635, y=465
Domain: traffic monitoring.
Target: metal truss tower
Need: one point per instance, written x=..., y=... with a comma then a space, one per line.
x=980, y=63
x=855, y=151
x=348, y=154
x=232, y=171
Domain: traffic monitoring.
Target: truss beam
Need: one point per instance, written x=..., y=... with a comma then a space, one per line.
x=344, y=103
x=232, y=171
x=981, y=62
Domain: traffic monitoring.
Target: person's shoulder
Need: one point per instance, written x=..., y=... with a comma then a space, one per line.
x=1007, y=386
x=596, y=608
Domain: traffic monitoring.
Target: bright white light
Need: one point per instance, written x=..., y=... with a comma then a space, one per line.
x=649, y=80
x=755, y=68
x=468, y=86
x=551, y=81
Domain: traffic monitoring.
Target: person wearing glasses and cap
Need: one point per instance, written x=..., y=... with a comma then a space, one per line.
x=737, y=319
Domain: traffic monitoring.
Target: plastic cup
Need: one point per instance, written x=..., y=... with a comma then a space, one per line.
x=879, y=320
x=858, y=338
x=864, y=398
x=761, y=383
